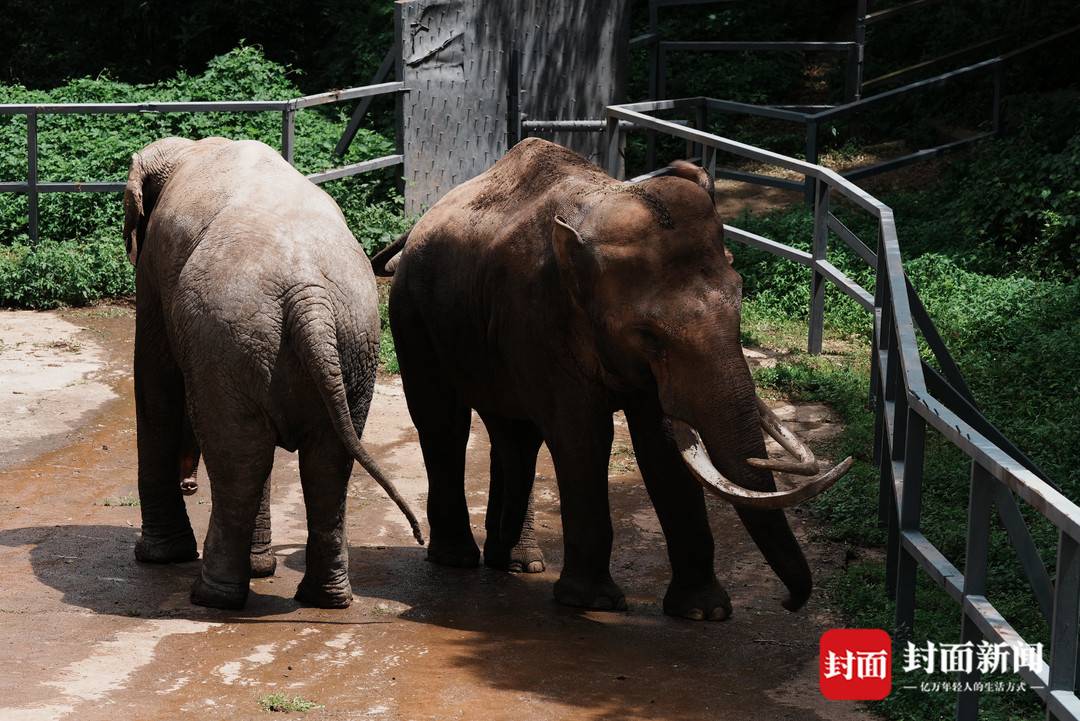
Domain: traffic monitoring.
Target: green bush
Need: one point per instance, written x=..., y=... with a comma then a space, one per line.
x=86, y=226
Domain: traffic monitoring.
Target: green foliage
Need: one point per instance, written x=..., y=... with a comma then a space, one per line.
x=1025, y=212
x=80, y=257
x=1013, y=325
x=51, y=274
x=782, y=290
x=128, y=501
x=338, y=42
x=388, y=361
x=283, y=703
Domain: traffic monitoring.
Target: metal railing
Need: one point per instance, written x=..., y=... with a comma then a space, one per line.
x=33, y=186
x=909, y=396
x=813, y=117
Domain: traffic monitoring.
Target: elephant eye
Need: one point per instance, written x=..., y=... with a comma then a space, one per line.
x=649, y=340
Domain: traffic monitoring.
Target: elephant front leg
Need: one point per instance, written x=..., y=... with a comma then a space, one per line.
x=694, y=592
x=263, y=561
x=511, y=537
x=159, y=418
x=581, y=462
x=325, y=467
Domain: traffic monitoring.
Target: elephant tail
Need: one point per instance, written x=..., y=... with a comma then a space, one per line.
x=385, y=261
x=312, y=331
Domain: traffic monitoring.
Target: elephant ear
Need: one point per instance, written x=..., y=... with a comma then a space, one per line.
x=134, y=216
x=695, y=174
x=578, y=263
x=691, y=172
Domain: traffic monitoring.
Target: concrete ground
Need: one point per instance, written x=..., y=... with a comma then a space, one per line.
x=87, y=633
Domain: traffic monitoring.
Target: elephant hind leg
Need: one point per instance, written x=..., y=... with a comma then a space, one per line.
x=263, y=561
x=442, y=421
x=238, y=468
x=189, y=460
x=511, y=538
x=325, y=467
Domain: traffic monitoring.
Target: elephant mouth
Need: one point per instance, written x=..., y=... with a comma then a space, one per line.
x=697, y=459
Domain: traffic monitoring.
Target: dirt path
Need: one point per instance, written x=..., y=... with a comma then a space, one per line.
x=87, y=633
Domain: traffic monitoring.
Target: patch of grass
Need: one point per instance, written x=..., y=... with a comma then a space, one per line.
x=388, y=362
x=129, y=500
x=284, y=703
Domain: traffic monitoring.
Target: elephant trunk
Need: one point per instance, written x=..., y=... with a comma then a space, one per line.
x=718, y=427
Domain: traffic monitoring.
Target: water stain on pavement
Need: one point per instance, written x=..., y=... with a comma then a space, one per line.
x=87, y=633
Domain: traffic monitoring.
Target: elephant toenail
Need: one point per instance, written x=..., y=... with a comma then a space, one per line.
x=719, y=614
x=694, y=614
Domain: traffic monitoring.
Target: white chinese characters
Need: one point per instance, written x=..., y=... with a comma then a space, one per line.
x=856, y=664
x=966, y=657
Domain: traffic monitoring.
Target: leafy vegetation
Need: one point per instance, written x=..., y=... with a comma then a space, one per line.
x=283, y=703
x=80, y=256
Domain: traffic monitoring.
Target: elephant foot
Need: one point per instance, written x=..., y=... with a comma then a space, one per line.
x=698, y=603
x=216, y=594
x=601, y=594
x=263, y=564
x=522, y=558
x=464, y=554
x=177, y=548
x=333, y=594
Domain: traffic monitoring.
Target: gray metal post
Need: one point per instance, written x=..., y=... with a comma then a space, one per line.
x=817, y=281
x=513, y=97
x=851, y=72
x=811, y=156
x=399, y=98
x=653, y=62
x=860, y=49
x=980, y=508
x=288, y=134
x=701, y=120
x=999, y=81
x=1063, y=632
x=910, y=513
x=614, y=164
x=661, y=71
x=32, y=175
x=362, y=107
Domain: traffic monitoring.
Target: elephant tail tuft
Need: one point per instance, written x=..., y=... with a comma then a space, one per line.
x=385, y=261
x=312, y=332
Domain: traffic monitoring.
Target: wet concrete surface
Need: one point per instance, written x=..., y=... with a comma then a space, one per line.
x=87, y=633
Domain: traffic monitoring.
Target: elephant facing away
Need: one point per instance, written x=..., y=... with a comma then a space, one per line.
x=546, y=295
x=256, y=326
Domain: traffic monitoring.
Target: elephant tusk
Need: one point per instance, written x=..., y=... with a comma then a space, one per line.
x=697, y=460
x=805, y=465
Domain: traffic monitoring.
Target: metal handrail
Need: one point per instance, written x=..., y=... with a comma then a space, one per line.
x=905, y=406
x=32, y=186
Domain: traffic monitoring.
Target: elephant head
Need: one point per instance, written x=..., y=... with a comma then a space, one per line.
x=150, y=169
x=648, y=267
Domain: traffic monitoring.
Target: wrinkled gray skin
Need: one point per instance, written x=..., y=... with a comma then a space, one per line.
x=256, y=326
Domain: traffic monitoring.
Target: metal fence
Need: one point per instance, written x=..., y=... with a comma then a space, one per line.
x=814, y=117
x=909, y=396
x=33, y=186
